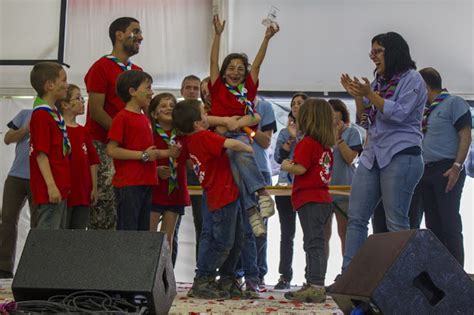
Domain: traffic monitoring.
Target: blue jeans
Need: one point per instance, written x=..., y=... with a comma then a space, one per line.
x=394, y=183
x=133, y=207
x=261, y=242
x=253, y=262
x=247, y=265
x=220, y=242
x=244, y=164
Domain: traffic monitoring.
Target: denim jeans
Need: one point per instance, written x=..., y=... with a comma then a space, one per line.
x=220, y=242
x=244, y=164
x=313, y=217
x=261, y=242
x=52, y=216
x=287, y=235
x=247, y=265
x=133, y=207
x=395, y=184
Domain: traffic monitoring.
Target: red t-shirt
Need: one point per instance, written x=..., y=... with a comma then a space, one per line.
x=101, y=78
x=46, y=137
x=312, y=186
x=212, y=167
x=226, y=104
x=179, y=196
x=132, y=131
x=83, y=155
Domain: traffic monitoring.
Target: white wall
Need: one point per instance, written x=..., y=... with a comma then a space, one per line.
x=320, y=39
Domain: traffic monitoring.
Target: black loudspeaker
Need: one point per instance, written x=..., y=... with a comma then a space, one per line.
x=129, y=264
x=408, y=272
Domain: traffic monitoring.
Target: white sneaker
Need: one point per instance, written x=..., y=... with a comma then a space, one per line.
x=266, y=205
x=258, y=227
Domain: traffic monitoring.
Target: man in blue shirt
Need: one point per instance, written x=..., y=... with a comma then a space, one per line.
x=261, y=143
x=447, y=137
x=16, y=191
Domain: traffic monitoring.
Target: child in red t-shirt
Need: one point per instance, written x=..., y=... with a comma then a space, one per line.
x=171, y=196
x=83, y=162
x=222, y=232
x=132, y=148
x=312, y=167
x=233, y=89
x=49, y=146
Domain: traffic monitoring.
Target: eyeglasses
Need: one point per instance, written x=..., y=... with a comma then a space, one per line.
x=376, y=51
x=79, y=98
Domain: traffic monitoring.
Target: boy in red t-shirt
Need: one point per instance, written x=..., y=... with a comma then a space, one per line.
x=233, y=89
x=84, y=161
x=132, y=148
x=222, y=233
x=49, y=146
x=312, y=167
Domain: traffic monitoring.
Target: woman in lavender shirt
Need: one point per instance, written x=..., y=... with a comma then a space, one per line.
x=391, y=165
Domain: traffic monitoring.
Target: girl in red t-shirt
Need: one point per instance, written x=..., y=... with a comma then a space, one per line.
x=171, y=196
x=233, y=89
x=83, y=161
x=312, y=166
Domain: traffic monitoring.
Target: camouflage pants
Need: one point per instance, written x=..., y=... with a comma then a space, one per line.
x=104, y=214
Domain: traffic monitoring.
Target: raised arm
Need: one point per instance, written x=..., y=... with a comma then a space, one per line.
x=255, y=70
x=218, y=29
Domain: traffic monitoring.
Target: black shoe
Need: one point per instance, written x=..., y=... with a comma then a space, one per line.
x=282, y=284
x=6, y=274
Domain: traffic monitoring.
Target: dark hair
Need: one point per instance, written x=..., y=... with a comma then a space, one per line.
x=190, y=77
x=339, y=106
x=397, y=53
x=155, y=101
x=130, y=79
x=43, y=72
x=185, y=113
x=303, y=95
x=432, y=78
x=120, y=25
x=316, y=119
x=231, y=57
x=71, y=87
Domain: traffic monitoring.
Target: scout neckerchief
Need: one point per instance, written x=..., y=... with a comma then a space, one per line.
x=120, y=64
x=385, y=90
x=170, y=140
x=40, y=104
x=429, y=108
x=241, y=94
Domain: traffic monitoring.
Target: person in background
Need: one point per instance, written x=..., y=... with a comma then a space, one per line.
x=347, y=149
x=284, y=149
x=16, y=191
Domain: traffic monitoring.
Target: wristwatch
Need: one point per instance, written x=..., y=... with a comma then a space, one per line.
x=459, y=165
x=145, y=156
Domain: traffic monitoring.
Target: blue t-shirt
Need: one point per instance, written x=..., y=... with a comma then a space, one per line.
x=284, y=178
x=267, y=122
x=343, y=173
x=21, y=163
x=441, y=139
